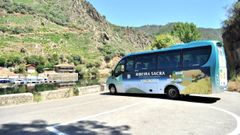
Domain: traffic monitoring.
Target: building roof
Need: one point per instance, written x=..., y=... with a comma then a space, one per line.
x=31, y=66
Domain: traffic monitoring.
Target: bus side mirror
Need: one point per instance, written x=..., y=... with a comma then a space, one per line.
x=112, y=73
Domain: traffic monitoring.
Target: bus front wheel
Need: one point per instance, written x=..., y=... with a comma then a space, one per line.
x=172, y=93
x=112, y=90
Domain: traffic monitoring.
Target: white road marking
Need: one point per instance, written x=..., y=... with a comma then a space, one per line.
x=236, y=131
x=57, y=132
x=53, y=129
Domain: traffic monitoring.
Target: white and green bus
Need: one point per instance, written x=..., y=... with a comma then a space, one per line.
x=193, y=68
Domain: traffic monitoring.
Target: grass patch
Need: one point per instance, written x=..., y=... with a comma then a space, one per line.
x=234, y=84
x=37, y=97
x=27, y=2
x=16, y=20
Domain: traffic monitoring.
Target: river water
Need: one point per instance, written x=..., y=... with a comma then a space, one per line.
x=35, y=88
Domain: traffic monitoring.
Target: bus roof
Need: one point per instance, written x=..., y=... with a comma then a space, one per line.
x=179, y=46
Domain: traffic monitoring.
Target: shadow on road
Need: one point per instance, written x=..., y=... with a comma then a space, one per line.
x=38, y=127
x=93, y=128
x=194, y=99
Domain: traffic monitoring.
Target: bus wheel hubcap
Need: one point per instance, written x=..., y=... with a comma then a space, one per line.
x=112, y=90
x=172, y=92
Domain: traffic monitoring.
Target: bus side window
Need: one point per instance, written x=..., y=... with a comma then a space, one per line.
x=118, y=70
x=196, y=57
x=169, y=60
x=145, y=63
x=130, y=65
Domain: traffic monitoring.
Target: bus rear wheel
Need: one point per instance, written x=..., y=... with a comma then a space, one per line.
x=112, y=90
x=172, y=93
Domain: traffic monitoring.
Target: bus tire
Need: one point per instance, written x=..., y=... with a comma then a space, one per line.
x=172, y=93
x=112, y=90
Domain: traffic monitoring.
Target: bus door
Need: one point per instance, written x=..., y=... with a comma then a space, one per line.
x=118, y=74
x=138, y=77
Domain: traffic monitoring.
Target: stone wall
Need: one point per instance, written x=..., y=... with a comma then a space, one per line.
x=56, y=94
x=13, y=99
x=91, y=89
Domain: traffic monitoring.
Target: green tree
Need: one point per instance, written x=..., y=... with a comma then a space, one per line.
x=2, y=61
x=164, y=40
x=13, y=60
x=39, y=61
x=187, y=32
x=49, y=65
x=36, y=60
x=234, y=16
x=40, y=68
x=231, y=36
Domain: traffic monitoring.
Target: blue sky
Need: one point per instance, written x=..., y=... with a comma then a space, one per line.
x=204, y=13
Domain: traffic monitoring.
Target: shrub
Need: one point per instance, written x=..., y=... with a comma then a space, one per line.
x=2, y=61
x=234, y=84
x=94, y=73
x=3, y=29
x=37, y=97
x=90, y=65
x=20, y=69
x=18, y=30
x=12, y=60
x=11, y=7
x=49, y=65
x=110, y=51
x=75, y=91
x=40, y=68
x=53, y=59
x=35, y=59
x=80, y=70
x=76, y=59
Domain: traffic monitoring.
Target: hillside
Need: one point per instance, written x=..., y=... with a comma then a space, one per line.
x=61, y=31
x=206, y=33
x=66, y=27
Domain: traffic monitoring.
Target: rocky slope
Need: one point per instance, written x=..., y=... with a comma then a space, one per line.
x=231, y=37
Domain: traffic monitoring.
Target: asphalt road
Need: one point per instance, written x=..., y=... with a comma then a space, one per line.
x=101, y=113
